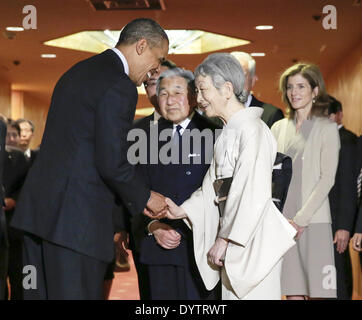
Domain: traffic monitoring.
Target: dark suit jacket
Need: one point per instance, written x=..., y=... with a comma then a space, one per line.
x=144, y=123
x=70, y=190
x=271, y=114
x=358, y=227
x=178, y=182
x=4, y=242
x=343, y=195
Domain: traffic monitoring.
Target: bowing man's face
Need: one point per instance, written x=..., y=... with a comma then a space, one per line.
x=148, y=62
x=175, y=99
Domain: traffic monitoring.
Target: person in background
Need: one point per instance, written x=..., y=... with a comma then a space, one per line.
x=26, y=135
x=15, y=170
x=343, y=202
x=4, y=243
x=271, y=113
x=312, y=141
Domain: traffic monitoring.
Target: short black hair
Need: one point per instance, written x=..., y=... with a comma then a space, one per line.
x=142, y=28
x=13, y=124
x=19, y=121
x=334, y=105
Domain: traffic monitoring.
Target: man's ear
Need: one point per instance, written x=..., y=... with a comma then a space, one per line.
x=141, y=46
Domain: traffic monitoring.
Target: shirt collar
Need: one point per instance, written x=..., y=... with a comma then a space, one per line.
x=27, y=153
x=124, y=60
x=248, y=101
x=184, y=123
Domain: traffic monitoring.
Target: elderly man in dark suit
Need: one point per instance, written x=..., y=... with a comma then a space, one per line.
x=343, y=202
x=271, y=114
x=167, y=249
x=66, y=203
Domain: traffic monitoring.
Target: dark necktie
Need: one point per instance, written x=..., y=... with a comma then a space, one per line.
x=177, y=146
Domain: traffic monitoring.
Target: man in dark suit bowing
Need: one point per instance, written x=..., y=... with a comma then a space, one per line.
x=166, y=248
x=343, y=202
x=65, y=207
x=271, y=114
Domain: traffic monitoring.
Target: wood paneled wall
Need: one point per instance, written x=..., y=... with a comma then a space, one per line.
x=345, y=84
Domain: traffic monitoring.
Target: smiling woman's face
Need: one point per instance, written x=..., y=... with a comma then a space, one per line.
x=209, y=98
x=299, y=92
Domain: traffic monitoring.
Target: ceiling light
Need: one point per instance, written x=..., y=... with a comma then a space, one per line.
x=264, y=27
x=181, y=41
x=48, y=55
x=257, y=54
x=15, y=29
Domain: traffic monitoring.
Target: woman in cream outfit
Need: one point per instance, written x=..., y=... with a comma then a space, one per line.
x=243, y=245
x=312, y=141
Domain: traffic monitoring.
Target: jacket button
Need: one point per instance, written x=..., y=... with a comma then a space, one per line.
x=188, y=173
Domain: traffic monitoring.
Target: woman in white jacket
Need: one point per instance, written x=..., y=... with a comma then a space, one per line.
x=239, y=235
x=312, y=141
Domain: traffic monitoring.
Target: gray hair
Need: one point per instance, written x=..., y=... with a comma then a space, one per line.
x=142, y=28
x=177, y=72
x=223, y=67
x=246, y=57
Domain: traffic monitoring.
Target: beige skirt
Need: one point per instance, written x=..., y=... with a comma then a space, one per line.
x=308, y=268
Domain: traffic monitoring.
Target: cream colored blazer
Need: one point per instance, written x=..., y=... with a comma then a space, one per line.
x=320, y=161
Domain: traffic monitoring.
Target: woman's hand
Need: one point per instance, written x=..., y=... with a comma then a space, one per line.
x=298, y=228
x=357, y=242
x=174, y=211
x=217, y=252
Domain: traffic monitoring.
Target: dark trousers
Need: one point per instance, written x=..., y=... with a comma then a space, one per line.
x=15, y=268
x=344, y=274
x=142, y=275
x=3, y=271
x=62, y=274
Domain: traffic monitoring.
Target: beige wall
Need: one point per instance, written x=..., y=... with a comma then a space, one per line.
x=5, y=98
x=345, y=84
x=35, y=110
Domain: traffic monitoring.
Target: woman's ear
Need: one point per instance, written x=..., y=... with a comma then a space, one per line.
x=315, y=92
x=141, y=46
x=227, y=90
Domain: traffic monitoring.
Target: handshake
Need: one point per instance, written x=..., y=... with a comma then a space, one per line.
x=159, y=207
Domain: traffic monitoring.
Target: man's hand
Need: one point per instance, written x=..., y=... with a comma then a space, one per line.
x=357, y=242
x=9, y=204
x=166, y=236
x=174, y=211
x=156, y=206
x=341, y=237
x=217, y=252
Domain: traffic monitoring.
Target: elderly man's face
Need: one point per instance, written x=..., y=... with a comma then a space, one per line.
x=150, y=86
x=175, y=101
x=26, y=134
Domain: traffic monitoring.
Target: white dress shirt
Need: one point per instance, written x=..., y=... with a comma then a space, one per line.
x=124, y=60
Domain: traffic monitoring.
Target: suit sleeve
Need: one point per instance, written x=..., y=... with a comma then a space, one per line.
x=347, y=196
x=278, y=115
x=114, y=116
x=328, y=163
